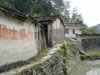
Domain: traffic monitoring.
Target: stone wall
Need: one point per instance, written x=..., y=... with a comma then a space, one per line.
x=58, y=36
x=57, y=32
x=17, y=40
x=91, y=44
x=51, y=67
x=58, y=64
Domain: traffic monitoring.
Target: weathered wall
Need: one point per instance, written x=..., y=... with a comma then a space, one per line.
x=60, y=64
x=17, y=40
x=91, y=44
x=57, y=32
x=87, y=36
x=89, y=41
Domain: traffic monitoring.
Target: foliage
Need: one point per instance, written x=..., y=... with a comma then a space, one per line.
x=76, y=17
x=64, y=48
x=93, y=52
x=40, y=55
x=96, y=28
x=23, y=5
x=33, y=7
x=91, y=55
x=87, y=30
x=38, y=8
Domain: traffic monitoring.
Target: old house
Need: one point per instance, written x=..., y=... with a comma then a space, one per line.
x=53, y=29
x=18, y=36
x=72, y=29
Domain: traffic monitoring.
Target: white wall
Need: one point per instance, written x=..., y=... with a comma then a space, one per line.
x=14, y=45
x=70, y=34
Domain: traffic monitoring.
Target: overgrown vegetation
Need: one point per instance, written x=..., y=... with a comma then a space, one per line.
x=17, y=64
x=40, y=55
x=68, y=52
x=88, y=30
x=91, y=55
x=60, y=59
x=93, y=52
x=38, y=8
x=96, y=28
x=33, y=7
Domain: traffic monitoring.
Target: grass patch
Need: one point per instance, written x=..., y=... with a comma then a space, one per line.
x=41, y=54
x=91, y=55
x=93, y=52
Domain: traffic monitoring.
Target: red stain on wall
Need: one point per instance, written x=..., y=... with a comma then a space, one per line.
x=65, y=31
x=13, y=34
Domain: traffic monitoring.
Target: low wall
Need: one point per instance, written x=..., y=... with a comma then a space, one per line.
x=91, y=44
x=89, y=41
x=16, y=40
x=61, y=63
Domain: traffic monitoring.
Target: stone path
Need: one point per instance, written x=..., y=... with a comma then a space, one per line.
x=71, y=40
x=50, y=53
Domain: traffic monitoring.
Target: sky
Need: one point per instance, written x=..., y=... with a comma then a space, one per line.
x=90, y=10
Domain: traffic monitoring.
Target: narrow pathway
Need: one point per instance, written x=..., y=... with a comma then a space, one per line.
x=50, y=53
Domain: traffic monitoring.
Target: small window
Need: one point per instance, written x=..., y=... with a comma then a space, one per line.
x=73, y=31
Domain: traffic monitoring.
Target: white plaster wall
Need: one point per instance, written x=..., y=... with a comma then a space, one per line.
x=70, y=34
x=14, y=23
x=16, y=50
x=77, y=31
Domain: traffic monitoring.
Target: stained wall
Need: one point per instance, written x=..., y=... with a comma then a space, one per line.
x=57, y=32
x=17, y=40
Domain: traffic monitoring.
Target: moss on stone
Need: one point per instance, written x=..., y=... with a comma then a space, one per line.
x=40, y=55
x=62, y=59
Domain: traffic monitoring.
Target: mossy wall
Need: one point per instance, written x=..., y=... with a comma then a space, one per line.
x=60, y=63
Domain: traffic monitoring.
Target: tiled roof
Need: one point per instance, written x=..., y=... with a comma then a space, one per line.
x=74, y=25
x=48, y=18
x=17, y=14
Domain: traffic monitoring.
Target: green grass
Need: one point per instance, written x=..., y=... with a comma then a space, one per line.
x=93, y=52
x=40, y=55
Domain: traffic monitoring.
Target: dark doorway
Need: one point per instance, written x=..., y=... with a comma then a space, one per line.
x=73, y=31
x=46, y=34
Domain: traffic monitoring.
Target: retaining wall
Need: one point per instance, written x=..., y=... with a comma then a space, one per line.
x=60, y=63
x=89, y=42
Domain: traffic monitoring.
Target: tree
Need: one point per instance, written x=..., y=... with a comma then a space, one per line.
x=39, y=7
x=7, y=3
x=87, y=30
x=76, y=18
x=67, y=11
x=23, y=5
x=63, y=7
x=44, y=8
